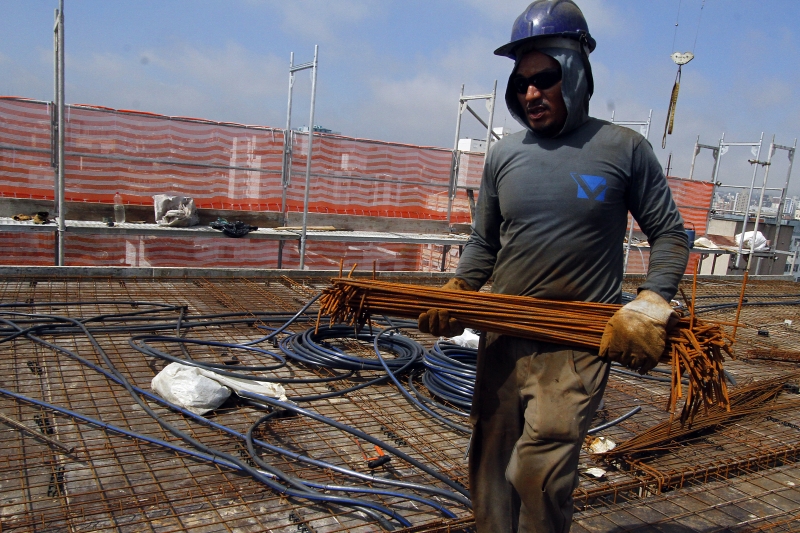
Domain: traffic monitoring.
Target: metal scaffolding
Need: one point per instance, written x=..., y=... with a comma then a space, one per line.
x=286, y=167
x=644, y=129
x=463, y=105
x=58, y=145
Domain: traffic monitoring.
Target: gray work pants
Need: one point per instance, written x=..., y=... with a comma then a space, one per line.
x=531, y=410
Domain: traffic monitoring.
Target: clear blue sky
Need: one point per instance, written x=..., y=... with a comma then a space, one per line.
x=392, y=69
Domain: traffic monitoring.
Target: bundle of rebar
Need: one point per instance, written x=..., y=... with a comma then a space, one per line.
x=755, y=398
x=694, y=349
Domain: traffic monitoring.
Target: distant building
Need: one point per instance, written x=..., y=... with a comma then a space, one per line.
x=740, y=203
x=472, y=145
x=479, y=145
x=789, y=206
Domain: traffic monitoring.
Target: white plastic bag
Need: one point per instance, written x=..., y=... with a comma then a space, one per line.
x=188, y=387
x=760, y=241
x=468, y=339
x=273, y=390
x=175, y=211
x=201, y=391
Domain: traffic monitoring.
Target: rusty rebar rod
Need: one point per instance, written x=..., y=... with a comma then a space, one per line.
x=41, y=436
x=751, y=399
x=693, y=348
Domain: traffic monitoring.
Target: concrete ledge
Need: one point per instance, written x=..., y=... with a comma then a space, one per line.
x=8, y=272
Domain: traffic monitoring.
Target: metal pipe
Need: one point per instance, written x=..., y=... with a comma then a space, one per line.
x=168, y=162
x=694, y=157
x=41, y=436
x=53, y=109
x=715, y=174
x=475, y=97
x=628, y=247
x=760, y=202
x=481, y=121
x=791, y=150
x=747, y=187
x=376, y=180
x=286, y=159
x=489, y=131
x=50, y=150
x=641, y=123
x=454, y=165
x=746, y=216
x=61, y=212
x=308, y=158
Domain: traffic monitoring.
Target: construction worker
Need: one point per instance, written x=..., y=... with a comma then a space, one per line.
x=550, y=223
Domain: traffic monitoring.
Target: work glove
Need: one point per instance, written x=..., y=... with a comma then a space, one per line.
x=636, y=335
x=438, y=322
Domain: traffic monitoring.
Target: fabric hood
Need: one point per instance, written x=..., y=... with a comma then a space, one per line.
x=574, y=89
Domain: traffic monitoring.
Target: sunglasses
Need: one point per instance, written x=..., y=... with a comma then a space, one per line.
x=541, y=80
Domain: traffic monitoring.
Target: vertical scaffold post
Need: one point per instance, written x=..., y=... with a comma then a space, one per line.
x=286, y=161
x=489, y=131
x=451, y=184
x=58, y=44
x=308, y=159
x=790, y=152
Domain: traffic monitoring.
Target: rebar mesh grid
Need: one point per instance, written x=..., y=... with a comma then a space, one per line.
x=760, y=501
x=110, y=482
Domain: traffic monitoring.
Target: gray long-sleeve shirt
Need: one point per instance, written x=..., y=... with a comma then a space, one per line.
x=552, y=213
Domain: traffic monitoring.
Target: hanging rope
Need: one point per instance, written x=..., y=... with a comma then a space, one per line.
x=673, y=101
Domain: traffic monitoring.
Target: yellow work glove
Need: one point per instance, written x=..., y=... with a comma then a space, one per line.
x=438, y=322
x=636, y=335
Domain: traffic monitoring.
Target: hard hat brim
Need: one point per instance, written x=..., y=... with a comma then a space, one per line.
x=509, y=49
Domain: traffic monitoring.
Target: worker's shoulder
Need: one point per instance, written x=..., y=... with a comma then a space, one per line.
x=614, y=133
x=508, y=144
x=512, y=138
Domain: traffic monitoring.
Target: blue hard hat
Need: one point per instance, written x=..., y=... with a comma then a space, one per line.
x=548, y=18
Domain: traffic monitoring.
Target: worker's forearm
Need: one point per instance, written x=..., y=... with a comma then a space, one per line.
x=669, y=255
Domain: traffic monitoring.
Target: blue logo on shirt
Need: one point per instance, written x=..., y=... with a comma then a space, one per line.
x=590, y=187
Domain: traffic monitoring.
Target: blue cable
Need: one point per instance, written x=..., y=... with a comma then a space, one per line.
x=272, y=448
x=213, y=458
x=360, y=434
x=405, y=393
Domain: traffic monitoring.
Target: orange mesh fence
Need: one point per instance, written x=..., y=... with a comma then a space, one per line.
x=363, y=177
x=140, y=155
x=232, y=166
x=470, y=169
x=693, y=199
x=25, y=166
x=238, y=167
x=220, y=165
